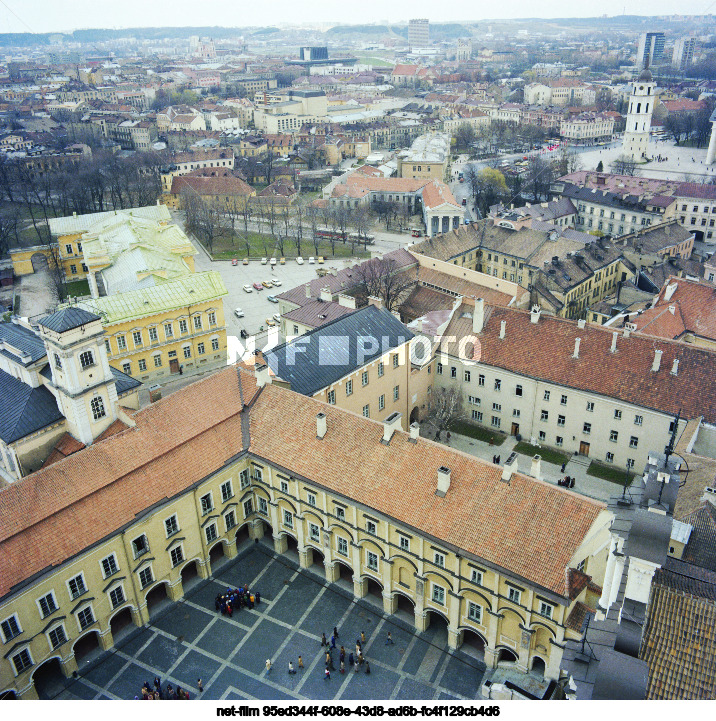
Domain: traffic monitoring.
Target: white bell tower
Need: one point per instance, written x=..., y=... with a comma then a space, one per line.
x=638, y=123
x=82, y=378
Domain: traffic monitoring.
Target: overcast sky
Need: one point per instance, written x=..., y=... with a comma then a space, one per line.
x=66, y=15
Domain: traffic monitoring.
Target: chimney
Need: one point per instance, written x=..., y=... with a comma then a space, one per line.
x=261, y=370
x=613, y=349
x=346, y=301
x=672, y=309
x=657, y=360
x=627, y=332
x=675, y=367
x=414, y=432
x=326, y=295
x=419, y=325
x=508, y=470
x=377, y=302
x=443, y=481
x=503, y=325
x=308, y=290
x=576, y=347
x=478, y=316
x=670, y=290
x=536, y=467
x=390, y=424
x=581, y=323
x=320, y=425
x=535, y=313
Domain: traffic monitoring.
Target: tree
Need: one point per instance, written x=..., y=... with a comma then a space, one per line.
x=465, y=137
x=600, y=167
x=625, y=165
x=566, y=162
x=539, y=177
x=446, y=410
x=381, y=278
x=488, y=188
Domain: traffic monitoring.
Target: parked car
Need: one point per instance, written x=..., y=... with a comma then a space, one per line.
x=311, y=260
x=264, y=261
x=320, y=259
x=245, y=261
x=239, y=313
x=234, y=261
x=272, y=298
x=282, y=261
x=273, y=261
x=270, y=322
x=276, y=282
x=258, y=286
x=277, y=317
x=247, y=288
x=267, y=284
x=299, y=260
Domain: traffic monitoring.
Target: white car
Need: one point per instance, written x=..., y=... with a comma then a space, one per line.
x=277, y=317
x=311, y=260
x=299, y=260
x=276, y=282
x=239, y=313
x=273, y=262
x=248, y=289
x=264, y=261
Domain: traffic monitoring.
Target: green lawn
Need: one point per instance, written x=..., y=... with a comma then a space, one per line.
x=376, y=62
x=478, y=432
x=608, y=473
x=547, y=454
x=78, y=288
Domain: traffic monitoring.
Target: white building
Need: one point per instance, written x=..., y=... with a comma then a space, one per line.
x=638, y=123
x=419, y=33
x=587, y=127
x=683, y=53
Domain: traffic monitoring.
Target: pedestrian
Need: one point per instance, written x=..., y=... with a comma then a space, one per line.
x=180, y=692
x=268, y=665
x=367, y=667
x=343, y=666
x=323, y=640
x=342, y=652
x=181, y=370
x=357, y=649
x=333, y=641
x=291, y=669
x=157, y=696
x=350, y=660
x=157, y=683
x=356, y=666
x=335, y=631
x=571, y=482
x=362, y=637
x=389, y=639
x=561, y=470
x=327, y=675
x=361, y=659
x=300, y=662
x=170, y=692
x=258, y=597
x=199, y=685
x=498, y=460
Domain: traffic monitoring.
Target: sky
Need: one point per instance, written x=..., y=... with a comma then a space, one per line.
x=67, y=15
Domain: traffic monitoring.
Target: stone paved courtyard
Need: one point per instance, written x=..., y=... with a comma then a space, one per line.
x=188, y=639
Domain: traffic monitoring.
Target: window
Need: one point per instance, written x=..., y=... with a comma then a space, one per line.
x=561, y=420
x=514, y=594
x=342, y=546
x=473, y=400
x=76, y=586
x=381, y=402
x=395, y=360
x=498, y=384
x=168, y=330
x=340, y=513
x=542, y=436
x=116, y=595
x=183, y=328
x=287, y=519
x=158, y=360
x=638, y=420
x=613, y=436
x=187, y=351
x=97, y=407
x=311, y=498
x=211, y=533
x=545, y=609
x=438, y=595
x=137, y=338
x=200, y=348
x=229, y=520
x=140, y=545
x=331, y=398
x=587, y=428
x=477, y=415
x=171, y=525
x=439, y=559
x=516, y=412
x=610, y=457
x=364, y=378
x=563, y=400
x=197, y=322
x=284, y=486
x=467, y=376
x=244, y=479
x=453, y=372
x=145, y=576
x=495, y=422
x=381, y=369
x=212, y=318
x=86, y=359
x=263, y=506
x=590, y=406
x=438, y=369
x=57, y=637
x=481, y=380
x=349, y=387
x=206, y=504
x=142, y=364
x=226, y=489
x=544, y=415
x=69, y=250
x=633, y=442
x=314, y=532
x=214, y=344
x=497, y=407
x=559, y=441
x=248, y=507
x=617, y=414
x=546, y=395
x=404, y=543
x=396, y=393
x=518, y=390
x=127, y=367
x=22, y=661
x=476, y=577
x=474, y=612
x=10, y=628
x=153, y=336
x=85, y=617
x=371, y=527
x=372, y=561
x=58, y=362
x=366, y=411
x=630, y=463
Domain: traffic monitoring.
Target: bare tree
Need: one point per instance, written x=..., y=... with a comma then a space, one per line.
x=446, y=411
x=298, y=216
x=624, y=165
x=381, y=278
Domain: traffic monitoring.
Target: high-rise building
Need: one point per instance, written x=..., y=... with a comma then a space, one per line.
x=419, y=33
x=651, y=50
x=683, y=53
x=638, y=123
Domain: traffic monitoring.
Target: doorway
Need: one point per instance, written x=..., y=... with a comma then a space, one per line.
x=583, y=448
x=173, y=365
x=515, y=429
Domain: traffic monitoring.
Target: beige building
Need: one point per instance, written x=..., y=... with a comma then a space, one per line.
x=587, y=127
x=428, y=158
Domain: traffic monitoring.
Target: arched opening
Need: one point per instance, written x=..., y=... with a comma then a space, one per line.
x=506, y=657
x=217, y=557
x=121, y=624
x=49, y=679
x=242, y=535
x=405, y=608
x=87, y=647
x=157, y=599
x=292, y=548
x=39, y=262
x=374, y=592
x=344, y=577
x=318, y=560
x=473, y=644
x=267, y=531
x=190, y=576
x=415, y=415
x=8, y=695
x=437, y=628
x=538, y=667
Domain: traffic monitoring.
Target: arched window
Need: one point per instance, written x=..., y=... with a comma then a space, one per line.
x=97, y=407
x=86, y=359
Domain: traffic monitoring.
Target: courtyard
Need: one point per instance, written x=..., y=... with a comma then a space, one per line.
x=188, y=640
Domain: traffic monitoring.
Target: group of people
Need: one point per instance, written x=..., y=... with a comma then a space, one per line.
x=234, y=598
x=567, y=482
x=661, y=159
x=496, y=460
x=155, y=692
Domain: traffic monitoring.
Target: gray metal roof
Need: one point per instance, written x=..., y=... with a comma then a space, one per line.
x=23, y=340
x=25, y=409
x=67, y=319
x=322, y=356
x=124, y=382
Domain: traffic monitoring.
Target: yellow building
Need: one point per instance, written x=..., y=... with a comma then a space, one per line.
x=166, y=505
